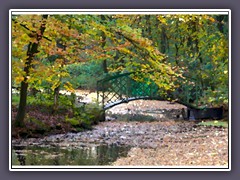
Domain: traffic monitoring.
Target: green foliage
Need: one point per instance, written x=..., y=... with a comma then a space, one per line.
x=37, y=125
x=15, y=99
x=35, y=121
x=214, y=123
x=15, y=159
x=73, y=48
x=73, y=121
x=45, y=99
x=85, y=116
x=196, y=47
x=216, y=97
x=84, y=75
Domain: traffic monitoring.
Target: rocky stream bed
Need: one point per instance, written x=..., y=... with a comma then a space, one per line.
x=162, y=142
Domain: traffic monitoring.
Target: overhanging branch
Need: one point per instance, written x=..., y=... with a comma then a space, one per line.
x=25, y=27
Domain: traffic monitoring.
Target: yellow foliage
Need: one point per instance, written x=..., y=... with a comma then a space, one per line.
x=19, y=79
x=68, y=87
x=55, y=85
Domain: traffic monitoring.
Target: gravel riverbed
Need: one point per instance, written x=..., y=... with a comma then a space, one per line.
x=153, y=143
x=156, y=143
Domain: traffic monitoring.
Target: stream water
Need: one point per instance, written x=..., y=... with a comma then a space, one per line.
x=95, y=155
x=134, y=129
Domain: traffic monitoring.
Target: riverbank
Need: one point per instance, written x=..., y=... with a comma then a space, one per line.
x=149, y=137
x=152, y=143
x=41, y=121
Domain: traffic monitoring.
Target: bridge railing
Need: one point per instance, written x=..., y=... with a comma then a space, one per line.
x=121, y=88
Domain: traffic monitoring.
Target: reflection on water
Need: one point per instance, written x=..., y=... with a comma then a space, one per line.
x=97, y=155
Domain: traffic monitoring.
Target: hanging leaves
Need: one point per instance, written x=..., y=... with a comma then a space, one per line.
x=174, y=45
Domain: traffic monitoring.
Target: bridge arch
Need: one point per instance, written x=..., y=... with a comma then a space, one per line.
x=129, y=99
x=122, y=88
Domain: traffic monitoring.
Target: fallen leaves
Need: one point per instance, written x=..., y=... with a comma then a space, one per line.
x=208, y=147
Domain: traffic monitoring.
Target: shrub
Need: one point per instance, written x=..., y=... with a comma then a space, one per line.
x=85, y=116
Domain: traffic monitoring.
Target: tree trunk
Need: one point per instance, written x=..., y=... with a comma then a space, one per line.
x=31, y=52
x=148, y=29
x=104, y=65
x=56, y=95
x=163, y=40
x=22, y=105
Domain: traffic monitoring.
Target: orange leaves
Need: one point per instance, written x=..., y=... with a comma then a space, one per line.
x=211, y=19
x=208, y=18
x=56, y=29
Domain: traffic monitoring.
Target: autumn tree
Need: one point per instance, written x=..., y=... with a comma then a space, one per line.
x=129, y=51
x=66, y=41
x=172, y=47
x=196, y=46
x=35, y=37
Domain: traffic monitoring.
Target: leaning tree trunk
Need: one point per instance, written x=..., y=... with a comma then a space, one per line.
x=31, y=52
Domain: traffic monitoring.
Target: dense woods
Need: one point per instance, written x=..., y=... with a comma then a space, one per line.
x=68, y=52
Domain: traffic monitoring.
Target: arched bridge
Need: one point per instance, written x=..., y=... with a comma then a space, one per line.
x=122, y=88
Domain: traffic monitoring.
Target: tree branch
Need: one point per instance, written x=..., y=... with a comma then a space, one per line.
x=25, y=27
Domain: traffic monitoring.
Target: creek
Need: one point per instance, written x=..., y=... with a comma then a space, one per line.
x=134, y=126
x=92, y=155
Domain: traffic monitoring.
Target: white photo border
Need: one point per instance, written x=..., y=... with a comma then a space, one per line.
x=119, y=168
